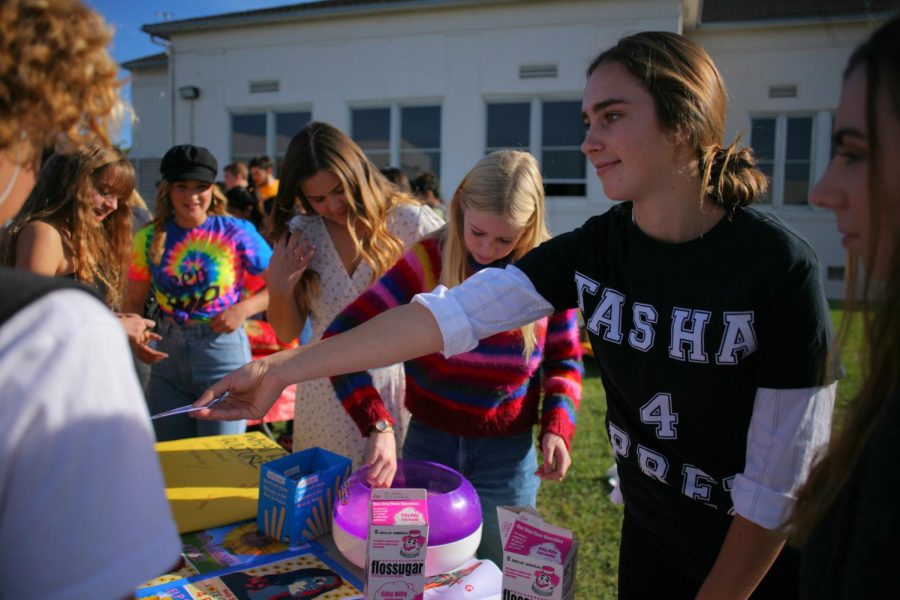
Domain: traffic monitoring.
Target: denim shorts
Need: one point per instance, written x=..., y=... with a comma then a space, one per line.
x=500, y=468
x=198, y=357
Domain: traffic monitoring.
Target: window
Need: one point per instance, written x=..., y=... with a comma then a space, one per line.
x=404, y=136
x=269, y=133
x=552, y=131
x=783, y=145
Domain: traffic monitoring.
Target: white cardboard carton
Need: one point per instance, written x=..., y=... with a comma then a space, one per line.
x=396, y=544
x=539, y=559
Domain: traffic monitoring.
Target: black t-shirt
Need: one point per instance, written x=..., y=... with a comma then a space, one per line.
x=684, y=335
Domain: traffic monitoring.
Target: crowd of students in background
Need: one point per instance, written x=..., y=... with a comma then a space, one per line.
x=713, y=485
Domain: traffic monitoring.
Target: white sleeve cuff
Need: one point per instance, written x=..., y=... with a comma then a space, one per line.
x=490, y=301
x=451, y=319
x=767, y=508
x=787, y=431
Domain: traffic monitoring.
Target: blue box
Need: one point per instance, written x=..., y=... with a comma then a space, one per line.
x=297, y=494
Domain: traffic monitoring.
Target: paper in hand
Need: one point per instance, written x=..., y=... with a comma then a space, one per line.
x=188, y=408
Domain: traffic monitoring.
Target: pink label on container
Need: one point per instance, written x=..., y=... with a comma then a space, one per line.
x=399, y=512
x=527, y=540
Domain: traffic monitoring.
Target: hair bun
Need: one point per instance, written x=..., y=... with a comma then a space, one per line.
x=734, y=178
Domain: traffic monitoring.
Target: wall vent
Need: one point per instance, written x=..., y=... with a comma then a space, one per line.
x=538, y=71
x=782, y=91
x=261, y=87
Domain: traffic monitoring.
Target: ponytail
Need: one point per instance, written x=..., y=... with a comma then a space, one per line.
x=730, y=176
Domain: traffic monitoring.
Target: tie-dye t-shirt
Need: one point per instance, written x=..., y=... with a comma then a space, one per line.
x=202, y=268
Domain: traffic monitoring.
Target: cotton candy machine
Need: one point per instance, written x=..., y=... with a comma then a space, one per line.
x=454, y=514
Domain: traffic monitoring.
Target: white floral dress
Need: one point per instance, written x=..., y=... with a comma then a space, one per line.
x=319, y=418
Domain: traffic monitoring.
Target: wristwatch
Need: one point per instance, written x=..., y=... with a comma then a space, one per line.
x=382, y=426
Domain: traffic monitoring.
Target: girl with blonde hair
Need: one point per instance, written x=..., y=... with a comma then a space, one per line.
x=194, y=259
x=475, y=412
x=354, y=227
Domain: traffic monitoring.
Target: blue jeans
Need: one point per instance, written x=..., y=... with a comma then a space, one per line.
x=198, y=357
x=500, y=468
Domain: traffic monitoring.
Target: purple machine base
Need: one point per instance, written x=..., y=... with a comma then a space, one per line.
x=454, y=511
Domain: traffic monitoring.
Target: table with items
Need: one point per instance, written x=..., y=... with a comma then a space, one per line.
x=213, y=485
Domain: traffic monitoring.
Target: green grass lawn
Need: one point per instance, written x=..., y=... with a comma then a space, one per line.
x=581, y=503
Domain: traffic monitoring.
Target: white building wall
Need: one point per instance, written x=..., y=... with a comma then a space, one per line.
x=812, y=57
x=462, y=57
x=151, y=131
x=455, y=57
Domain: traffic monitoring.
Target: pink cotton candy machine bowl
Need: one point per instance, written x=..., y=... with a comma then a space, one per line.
x=454, y=514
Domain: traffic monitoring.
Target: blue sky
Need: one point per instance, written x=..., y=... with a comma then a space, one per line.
x=128, y=16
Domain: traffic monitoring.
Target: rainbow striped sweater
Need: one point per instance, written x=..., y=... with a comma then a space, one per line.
x=488, y=392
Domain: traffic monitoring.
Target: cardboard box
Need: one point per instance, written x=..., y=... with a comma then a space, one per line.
x=396, y=544
x=539, y=559
x=297, y=493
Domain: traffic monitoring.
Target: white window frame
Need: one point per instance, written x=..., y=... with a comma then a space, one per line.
x=394, y=127
x=820, y=152
x=535, y=141
x=271, y=149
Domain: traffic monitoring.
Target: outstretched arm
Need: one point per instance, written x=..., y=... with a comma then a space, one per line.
x=490, y=301
x=395, y=336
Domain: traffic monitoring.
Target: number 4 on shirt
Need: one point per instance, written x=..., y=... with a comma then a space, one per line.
x=658, y=411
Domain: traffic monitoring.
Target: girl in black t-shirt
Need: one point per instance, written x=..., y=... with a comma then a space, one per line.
x=707, y=319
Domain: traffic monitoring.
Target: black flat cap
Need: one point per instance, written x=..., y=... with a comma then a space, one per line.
x=189, y=162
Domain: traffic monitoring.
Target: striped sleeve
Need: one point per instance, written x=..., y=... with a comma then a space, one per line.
x=411, y=275
x=562, y=370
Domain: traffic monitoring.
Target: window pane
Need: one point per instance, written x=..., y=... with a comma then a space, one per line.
x=799, y=138
x=796, y=183
x=508, y=125
x=382, y=160
x=371, y=128
x=248, y=134
x=287, y=125
x=414, y=162
x=762, y=138
x=565, y=189
x=562, y=124
x=768, y=169
x=420, y=127
x=563, y=164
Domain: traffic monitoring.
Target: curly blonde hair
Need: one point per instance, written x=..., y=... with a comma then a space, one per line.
x=63, y=198
x=56, y=77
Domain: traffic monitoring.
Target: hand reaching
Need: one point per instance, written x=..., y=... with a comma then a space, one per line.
x=252, y=390
x=146, y=353
x=382, y=459
x=140, y=334
x=138, y=329
x=556, y=458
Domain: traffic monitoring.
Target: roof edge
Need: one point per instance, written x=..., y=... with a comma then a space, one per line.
x=146, y=62
x=300, y=11
x=799, y=21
